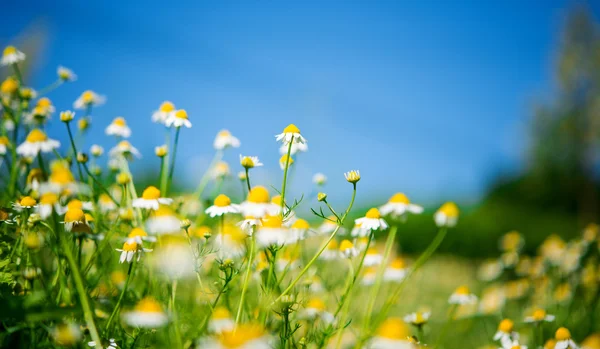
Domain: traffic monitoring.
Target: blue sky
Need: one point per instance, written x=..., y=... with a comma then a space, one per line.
x=431, y=98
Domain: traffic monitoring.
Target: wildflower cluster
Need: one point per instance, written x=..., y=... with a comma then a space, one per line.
x=89, y=256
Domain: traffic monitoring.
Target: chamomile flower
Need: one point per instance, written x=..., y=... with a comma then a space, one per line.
x=139, y=236
x=372, y=220
x=369, y=276
x=110, y=345
x=230, y=242
x=220, y=320
x=446, y=215
x=490, y=270
x=505, y=333
x=48, y=204
x=177, y=119
x=75, y=221
x=352, y=176
x=151, y=199
x=347, y=249
x=4, y=143
x=225, y=140
x=221, y=170
x=539, y=315
x=591, y=342
x=250, y=161
x=257, y=203
x=118, y=127
x=372, y=257
x=96, y=150
x=328, y=226
x=296, y=147
x=492, y=301
x=316, y=309
x=417, y=318
x=130, y=248
x=125, y=149
x=299, y=229
x=272, y=232
x=243, y=336
x=163, y=221
x=564, y=340
x=37, y=142
x=513, y=345
x=290, y=134
x=147, y=314
x=11, y=55
x=512, y=241
x=106, y=204
x=164, y=112
x=65, y=74
x=396, y=271
x=462, y=295
x=249, y=223
x=319, y=179
x=66, y=334
x=222, y=205
x=285, y=161
x=399, y=205
x=25, y=202
x=392, y=334
x=173, y=258
x=87, y=99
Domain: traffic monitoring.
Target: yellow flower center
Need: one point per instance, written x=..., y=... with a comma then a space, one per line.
x=462, y=290
x=181, y=114
x=291, y=128
x=88, y=97
x=224, y=133
x=74, y=215
x=4, y=140
x=221, y=313
x=9, y=50
x=301, y=224
x=372, y=251
x=222, y=201
x=163, y=211
x=129, y=246
x=539, y=315
x=104, y=198
x=89, y=217
x=449, y=209
x=151, y=193
x=74, y=204
x=36, y=135
x=346, y=245
x=28, y=201
x=562, y=334
x=258, y=195
x=511, y=241
x=506, y=326
x=515, y=347
x=399, y=198
x=419, y=318
x=272, y=222
x=124, y=145
x=240, y=336
x=148, y=305
x=44, y=102
x=247, y=162
x=9, y=86
x=49, y=199
x=393, y=328
x=276, y=200
x=286, y=159
x=202, y=230
x=167, y=107
x=550, y=344
x=137, y=232
x=119, y=121
x=397, y=263
x=316, y=303
x=333, y=245
x=61, y=176
x=373, y=214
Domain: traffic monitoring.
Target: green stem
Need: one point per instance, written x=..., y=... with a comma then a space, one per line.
x=446, y=326
x=49, y=88
x=174, y=311
x=375, y=290
x=87, y=170
x=248, y=180
x=172, y=167
x=246, y=278
x=285, y=172
x=74, y=151
x=85, y=304
x=116, y=309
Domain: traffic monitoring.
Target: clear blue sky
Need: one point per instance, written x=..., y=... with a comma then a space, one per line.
x=427, y=97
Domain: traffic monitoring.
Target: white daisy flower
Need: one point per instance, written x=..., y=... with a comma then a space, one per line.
x=513, y=345
x=285, y=160
x=230, y=242
x=96, y=150
x=151, y=199
x=25, y=202
x=124, y=148
x=163, y=221
x=250, y=161
x=290, y=134
x=106, y=204
x=462, y=295
x=539, y=315
x=220, y=320
x=146, y=314
x=249, y=223
x=4, y=143
x=89, y=98
x=110, y=345
x=130, y=248
x=222, y=205
x=164, y=112
x=417, y=318
x=243, y=336
x=65, y=74
x=352, y=176
x=446, y=215
x=392, y=334
x=399, y=206
x=505, y=333
x=319, y=179
x=359, y=231
x=347, y=249
x=396, y=271
x=257, y=203
x=564, y=340
x=11, y=55
x=139, y=236
x=118, y=128
x=296, y=147
x=372, y=258
x=272, y=232
x=75, y=221
x=37, y=142
x=225, y=140
x=299, y=229
x=178, y=119
x=372, y=220
x=48, y=204
x=316, y=309
x=328, y=226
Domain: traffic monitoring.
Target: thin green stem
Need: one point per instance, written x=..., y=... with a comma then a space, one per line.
x=246, y=278
x=172, y=167
x=248, y=180
x=74, y=150
x=123, y=291
x=87, y=170
x=285, y=172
